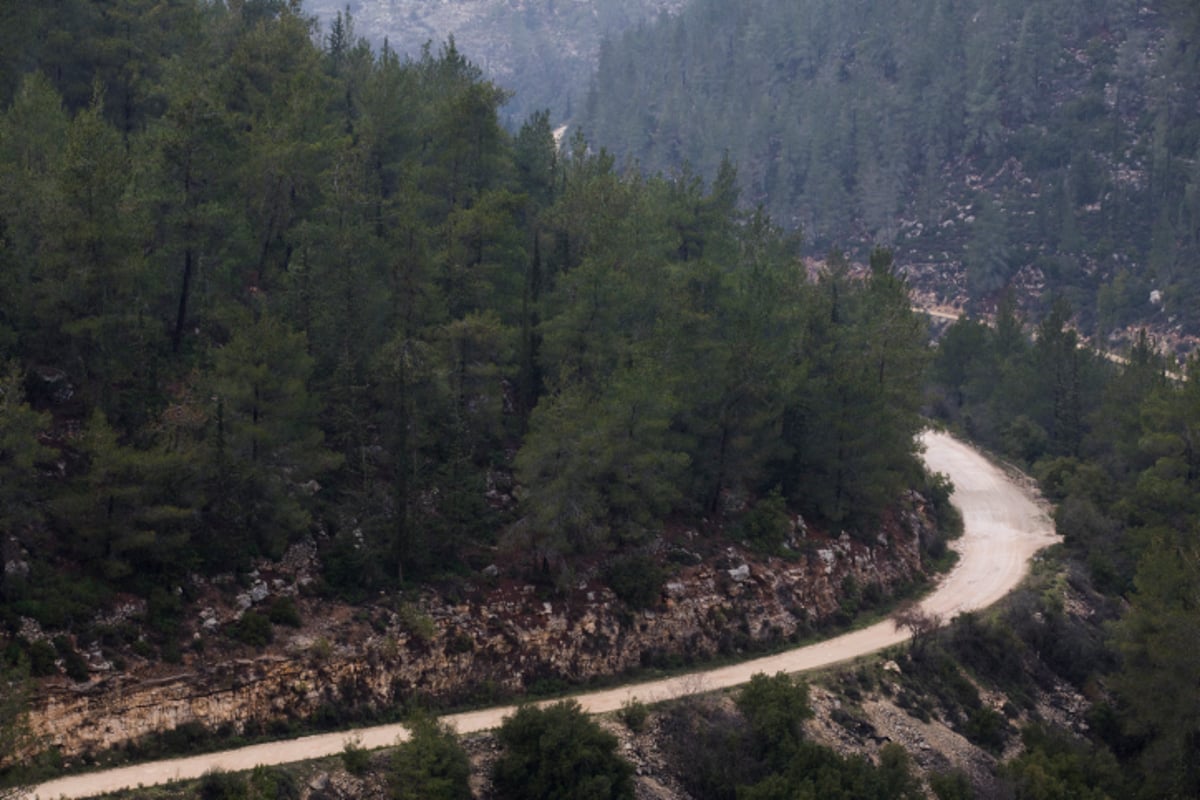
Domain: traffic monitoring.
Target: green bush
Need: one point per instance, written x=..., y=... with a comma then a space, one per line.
x=41, y=659
x=416, y=622
x=775, y=707
x=1056, y=764
x=636, y=579
x=710, y=744
x=766, y=525
x=431, y=765
x=953, y=785
x=557, y=753
x=460, y=642
x=283, y=611
x=273, y=783
x=253, y=629
x=219, y=785
x=164, y=611
x=634, y=714
x=73, y=662
x=987, y=728
x=355, y=758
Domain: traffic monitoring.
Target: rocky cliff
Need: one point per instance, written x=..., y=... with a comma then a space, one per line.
x=501, y=636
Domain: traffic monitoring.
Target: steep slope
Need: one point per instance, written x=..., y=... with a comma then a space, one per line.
x=542, y=52
x=1047, y=146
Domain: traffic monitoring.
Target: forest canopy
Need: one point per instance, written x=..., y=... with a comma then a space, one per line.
x=1051, y=146
x=260, y=283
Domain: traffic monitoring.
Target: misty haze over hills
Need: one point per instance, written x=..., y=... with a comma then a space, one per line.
x=310, y=367
x=1054, y=155
x=544, y=52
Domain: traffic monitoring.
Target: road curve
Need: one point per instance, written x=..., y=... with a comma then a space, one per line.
x=1004, y=526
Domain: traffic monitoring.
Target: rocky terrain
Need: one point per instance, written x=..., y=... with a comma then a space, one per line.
x=858, y=709
x=498, y=636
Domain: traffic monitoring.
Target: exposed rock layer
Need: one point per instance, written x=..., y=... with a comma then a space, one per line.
x=501, y=639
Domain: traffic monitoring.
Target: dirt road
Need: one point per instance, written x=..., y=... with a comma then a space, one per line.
x=1004, y=526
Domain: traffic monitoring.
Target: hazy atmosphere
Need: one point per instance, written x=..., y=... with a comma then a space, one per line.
x=657, y=399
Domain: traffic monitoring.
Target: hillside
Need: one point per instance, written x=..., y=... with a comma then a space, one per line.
x=296, y=332
x=1048, y=147
x=261, y=290
x=542, y=52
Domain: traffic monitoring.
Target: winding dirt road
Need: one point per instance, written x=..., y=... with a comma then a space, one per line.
x=1004, y=527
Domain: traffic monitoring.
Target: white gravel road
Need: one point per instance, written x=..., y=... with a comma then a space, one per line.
x=1004, y=527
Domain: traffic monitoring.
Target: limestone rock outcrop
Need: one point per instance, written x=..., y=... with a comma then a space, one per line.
x=503, y=638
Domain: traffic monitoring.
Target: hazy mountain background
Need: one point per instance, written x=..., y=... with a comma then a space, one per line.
x=1046, y=146
x=544, y=52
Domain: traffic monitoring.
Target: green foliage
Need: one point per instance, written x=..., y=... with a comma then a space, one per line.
x=775, y=707
x=42, y=656
x=283, y=611
x=273, y=783
x=73, y=663
x=20, y=451
x=220, y=785
x=557, y=752
x=262, y=783
x=430, y=764
x=1110, y=446
x=953, y=785
x=709, y=744
x=253, y=629
x=767, y=524
x=1056, y=765
x=636, y=579
x=634, y=714
x=832, y=144
x=987, y=728
x=356, y=759
x=14, y=722
x=723, y=755
x=416, y=622
x=1157, y=643
x=252, y=287
x=867, y=364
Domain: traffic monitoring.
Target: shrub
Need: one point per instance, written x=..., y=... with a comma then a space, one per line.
x=558, y=753
x=775, y=708
x=766, y=526
x=164, y=611
x=1056, y=764
x=253, y=629
x=953, y=785
x=710, y=744
x=41, y=659
x=219, y=785
x=987, y=728
x=416, y=622
x=273, y=783
x=321, y=650
x=283, y=611
x=634, y=714
x=431, y=765
x=76, y=666
x=460, y=642
x=636, y=579
x=355, y=758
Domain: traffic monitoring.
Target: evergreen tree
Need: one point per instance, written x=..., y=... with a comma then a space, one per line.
x=557, y=752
